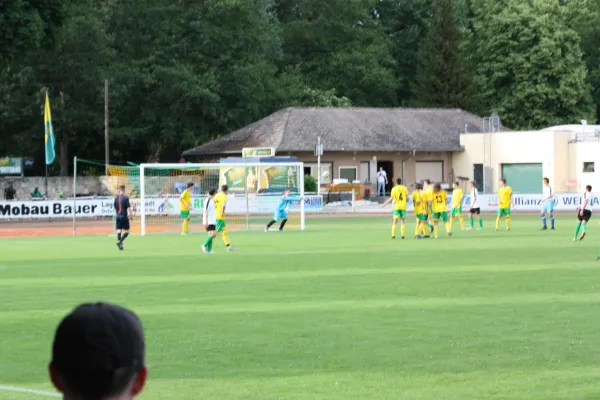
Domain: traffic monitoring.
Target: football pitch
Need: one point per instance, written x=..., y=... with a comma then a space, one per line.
x=339, y=311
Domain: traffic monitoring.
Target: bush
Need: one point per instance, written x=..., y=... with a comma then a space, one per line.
x=310, y=184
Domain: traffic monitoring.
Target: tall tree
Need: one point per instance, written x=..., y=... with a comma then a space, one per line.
x=26, y=25
x=530, y=66
x=339, y=45
x=584, y=17
x=442, y=77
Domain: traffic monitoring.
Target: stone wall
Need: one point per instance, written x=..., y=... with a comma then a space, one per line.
x=86, y=186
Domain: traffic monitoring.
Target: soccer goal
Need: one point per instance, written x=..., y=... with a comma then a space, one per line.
x=254, y=192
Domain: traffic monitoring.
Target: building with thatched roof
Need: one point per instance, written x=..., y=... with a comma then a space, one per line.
x=410, y=143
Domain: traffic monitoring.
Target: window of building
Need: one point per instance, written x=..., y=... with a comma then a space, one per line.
x=348, y=173
x=326, y=168
x=478, y=176
x=588, y=166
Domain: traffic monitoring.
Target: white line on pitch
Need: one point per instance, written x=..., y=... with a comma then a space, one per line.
x=29, y=391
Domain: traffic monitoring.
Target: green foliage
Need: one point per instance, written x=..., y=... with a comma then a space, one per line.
x=530, y=66
x=29, y=24
x=310, y=184
x=442, y=78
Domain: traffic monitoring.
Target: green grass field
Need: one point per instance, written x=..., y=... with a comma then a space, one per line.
x=339, y=311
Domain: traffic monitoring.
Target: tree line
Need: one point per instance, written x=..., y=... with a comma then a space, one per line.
x=183, y=72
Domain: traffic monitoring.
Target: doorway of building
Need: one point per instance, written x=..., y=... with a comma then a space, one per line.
x=388, y=167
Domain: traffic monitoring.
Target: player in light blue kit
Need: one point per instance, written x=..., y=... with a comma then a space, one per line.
x=547, y=205
x=280, y=211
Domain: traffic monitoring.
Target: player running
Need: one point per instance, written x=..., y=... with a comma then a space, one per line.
x=280, y=212
x=584, y=214
x=220, y=200
x=457, y=200
x=547, y=205
x=399, y=196
x=428, y=197
x=419, y=208
x=440, y=210
x=209, y=220
x=185, y=207
x=504, y=203
x=122, y=220
x=474, y=210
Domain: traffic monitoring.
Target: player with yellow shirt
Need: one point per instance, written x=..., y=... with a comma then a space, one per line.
x=504, y=203
x=457, y=200
x=440, y=210
x=419, y=208
x=399, y=196
x=220, y=200
x=185, y=207
x=428, y=198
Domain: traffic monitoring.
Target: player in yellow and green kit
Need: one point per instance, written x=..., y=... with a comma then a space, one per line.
x=428, y=198
x=504, y=203
x=399, y=196
x=185, y=207
x=419, y=207
x=457, y=200
x=440, y=210
x=220, y=200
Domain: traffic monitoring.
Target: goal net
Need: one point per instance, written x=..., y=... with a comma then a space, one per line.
x=254, y=193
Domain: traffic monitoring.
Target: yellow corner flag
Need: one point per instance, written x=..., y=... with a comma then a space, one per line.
x=49, y=139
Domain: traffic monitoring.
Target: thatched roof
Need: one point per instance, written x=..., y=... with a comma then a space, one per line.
x=296, y=129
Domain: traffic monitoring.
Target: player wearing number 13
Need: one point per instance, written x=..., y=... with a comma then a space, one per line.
x=399, y=196
x=440, y=210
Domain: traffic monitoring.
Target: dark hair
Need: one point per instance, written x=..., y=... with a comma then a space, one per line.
x=398, y=181
x=212, y=191
x=456, y=183
x=472, y=183
x=419, y=186
x=224, y=188
x=437, y=187
x=503, y=180
x=191, y=184
x=122, y=187
x=589, y=188
x=427, y=181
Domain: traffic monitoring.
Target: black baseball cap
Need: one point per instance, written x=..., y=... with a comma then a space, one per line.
x=98, y=345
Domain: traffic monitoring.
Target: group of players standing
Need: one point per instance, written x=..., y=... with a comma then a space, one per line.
x=430, y=207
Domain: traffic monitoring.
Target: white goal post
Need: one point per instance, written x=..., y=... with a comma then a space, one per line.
x=254, y=192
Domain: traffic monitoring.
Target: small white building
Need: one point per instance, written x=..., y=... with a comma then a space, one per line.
x=569, y=155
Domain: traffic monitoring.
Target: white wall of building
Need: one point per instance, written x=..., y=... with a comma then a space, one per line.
x=551, y=149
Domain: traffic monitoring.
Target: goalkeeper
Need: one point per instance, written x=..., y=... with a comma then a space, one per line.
x=280, y=211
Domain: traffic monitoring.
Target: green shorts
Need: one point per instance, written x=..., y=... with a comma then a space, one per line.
x=502, y=212
x=440, y=215
x=456, y=211
x=421, y=217
x=185, y=214
x=399, y=214
x=220, y=225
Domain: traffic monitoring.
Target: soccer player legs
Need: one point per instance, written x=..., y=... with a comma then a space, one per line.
x=440, y=210
x=457, y=199
x=220, y=200
x=122, y=219
x=417, y=198
x=583, y=214
x=185, y=206
x=398, y=195
x=474, y=210
x=547, y=204
x=209, y=220
x=504, y=203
